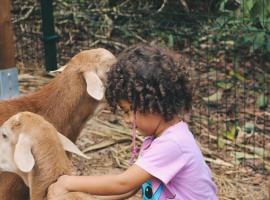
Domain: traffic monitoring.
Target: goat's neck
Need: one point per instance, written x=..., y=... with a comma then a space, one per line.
x=77, y=117
x=67, y=107
x=38, y=191
x=41, y=178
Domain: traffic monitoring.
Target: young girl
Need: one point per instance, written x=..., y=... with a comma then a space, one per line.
x=152, y=91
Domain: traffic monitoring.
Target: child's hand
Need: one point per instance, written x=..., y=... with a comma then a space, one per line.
x=57, y=189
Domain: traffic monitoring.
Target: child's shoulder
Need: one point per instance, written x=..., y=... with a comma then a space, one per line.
x=178, y=134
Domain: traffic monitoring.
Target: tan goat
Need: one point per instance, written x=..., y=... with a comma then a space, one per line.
x=32, y=148
x=67, y=102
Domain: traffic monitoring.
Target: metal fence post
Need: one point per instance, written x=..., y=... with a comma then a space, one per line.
x=49, y=36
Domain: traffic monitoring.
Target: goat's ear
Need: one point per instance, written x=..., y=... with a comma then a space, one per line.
x=58, y=71
x=69, y=146
x=23, y=156
x=95, y=87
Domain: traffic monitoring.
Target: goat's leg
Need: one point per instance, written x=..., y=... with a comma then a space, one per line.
x=12, y=187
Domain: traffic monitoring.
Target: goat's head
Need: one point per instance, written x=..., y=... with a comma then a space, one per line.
x=20, y=134
x=93, y=65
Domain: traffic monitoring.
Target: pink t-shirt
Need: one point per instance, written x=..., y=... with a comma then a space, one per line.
x=177, y=165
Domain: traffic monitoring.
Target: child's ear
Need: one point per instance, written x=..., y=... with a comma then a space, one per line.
x=95, y=87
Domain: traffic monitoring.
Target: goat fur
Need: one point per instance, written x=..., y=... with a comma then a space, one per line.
x=31, y=137
x=64, y=102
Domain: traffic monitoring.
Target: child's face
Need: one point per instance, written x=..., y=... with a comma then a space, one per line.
x=146, y=123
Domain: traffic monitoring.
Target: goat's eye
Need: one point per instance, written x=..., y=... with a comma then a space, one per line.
x=4, y=136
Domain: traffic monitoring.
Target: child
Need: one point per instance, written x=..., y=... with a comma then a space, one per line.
x=148, y=86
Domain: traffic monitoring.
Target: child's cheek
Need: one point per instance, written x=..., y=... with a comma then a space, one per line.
x=142, y=127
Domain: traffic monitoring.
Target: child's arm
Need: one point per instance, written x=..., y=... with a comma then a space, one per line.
x=119, y=197
x=123, y=183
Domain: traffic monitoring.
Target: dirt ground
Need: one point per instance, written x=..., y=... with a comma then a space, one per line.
x=101, y=161
x=106, y=140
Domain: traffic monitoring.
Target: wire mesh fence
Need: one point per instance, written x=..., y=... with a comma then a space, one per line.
x=224, y=45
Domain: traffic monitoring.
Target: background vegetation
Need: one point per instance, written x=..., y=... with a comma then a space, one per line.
x=224, y=44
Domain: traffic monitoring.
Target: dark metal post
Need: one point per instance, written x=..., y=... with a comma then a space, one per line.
x=49, y=36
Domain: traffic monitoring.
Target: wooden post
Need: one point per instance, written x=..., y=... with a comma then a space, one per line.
x=7, y=48
x=8, y=71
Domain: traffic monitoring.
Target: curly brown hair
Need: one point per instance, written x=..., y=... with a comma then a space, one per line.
x=149, y=79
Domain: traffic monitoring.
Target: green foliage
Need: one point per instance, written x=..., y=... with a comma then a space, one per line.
x=245, y=22
x=214, y=98
x=261, y=101
x=249, y=11
x=231, y=133
x=231, y=24
x=249, y=127
x=224, y=85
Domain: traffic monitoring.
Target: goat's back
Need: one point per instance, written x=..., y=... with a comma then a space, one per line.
x=14, y=106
